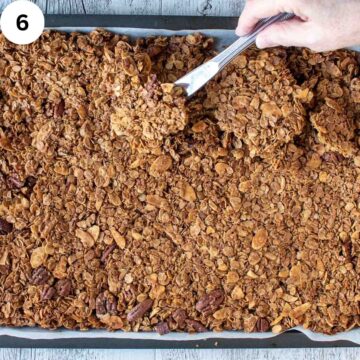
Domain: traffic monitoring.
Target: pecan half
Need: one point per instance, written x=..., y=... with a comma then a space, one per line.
x=347, y=250
x=106, y=303
x=64, y=287
x=179, y=315
x=332, y=157
x=162, y=328
x=262, y=325
x=196, y=326
x=48, y=293
x=59, y=108
x=5, y=227
x=210, y=302
x=14, y=182
x=40, y=276
x=4, y=269
x=139, y=310
x=154, y=50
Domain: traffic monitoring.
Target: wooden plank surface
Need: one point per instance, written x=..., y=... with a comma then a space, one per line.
x=162, y=7
x=265, y=354
x=203, y=7
x=132, y=7
x=140, y=7
x=150, y=7
x=41, y=3
x=248, y=354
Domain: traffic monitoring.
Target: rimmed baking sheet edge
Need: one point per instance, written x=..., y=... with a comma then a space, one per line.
x=43, y=334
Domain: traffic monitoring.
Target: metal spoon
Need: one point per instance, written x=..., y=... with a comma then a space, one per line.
x=197, y=78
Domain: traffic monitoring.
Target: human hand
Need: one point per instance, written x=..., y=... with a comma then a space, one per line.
x=320, y=25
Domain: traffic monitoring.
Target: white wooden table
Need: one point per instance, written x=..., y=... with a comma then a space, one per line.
x=140, y=7
x=161, y=7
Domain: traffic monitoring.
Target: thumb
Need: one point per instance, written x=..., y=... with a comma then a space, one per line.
x=256, y=10
x=287, y=33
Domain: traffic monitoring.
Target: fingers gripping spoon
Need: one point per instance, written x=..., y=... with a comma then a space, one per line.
x=196, y=79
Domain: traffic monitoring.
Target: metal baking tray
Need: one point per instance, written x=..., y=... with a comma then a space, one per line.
x=290, y=339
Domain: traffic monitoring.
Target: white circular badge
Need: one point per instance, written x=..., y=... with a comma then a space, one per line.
x=22, y=22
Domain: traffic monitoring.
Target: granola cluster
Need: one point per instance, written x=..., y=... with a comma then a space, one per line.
x=124, y=205
x=255, y=99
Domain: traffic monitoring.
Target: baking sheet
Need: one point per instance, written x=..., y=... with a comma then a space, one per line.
x=42, y=334
x=223, y=38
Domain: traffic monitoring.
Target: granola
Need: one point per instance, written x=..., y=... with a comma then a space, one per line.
x=244, y=101
x=124, y=205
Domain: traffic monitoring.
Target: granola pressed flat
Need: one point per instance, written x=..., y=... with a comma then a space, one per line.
x=124, y=205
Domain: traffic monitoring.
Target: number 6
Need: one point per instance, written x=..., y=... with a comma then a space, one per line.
x=22, y=24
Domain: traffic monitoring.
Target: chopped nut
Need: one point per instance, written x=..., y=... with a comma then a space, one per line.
x=232, y=277
x=179, y=315
x=119, y=239
x=40, y=276
x=223, y=169
x=157, y=291
x=237, y=293
x=195, y=326
x=108, y=252
x=210, y=302
x=162, y=328
x=299, y=310
x=94, y=231
x=245, y=186
x=85, y=237
x=14, y=182
x=260, y=239
x=221, y=314
x=48, y=293
x=157, y=201
x=38, y=257
x=277, y=329
x=106, y=304
x=59, y=108
x=64, y=287
x=160, y=165
x=199, y=127
x=60, y=268
x=187, y=192
x=113, y=322
x=323, y=176
x=357, y=161
x=262, y=325
x=140, y=310
x=5, y=227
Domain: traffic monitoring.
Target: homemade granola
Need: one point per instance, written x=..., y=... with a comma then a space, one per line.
x=123, y=205
x=244, y=102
